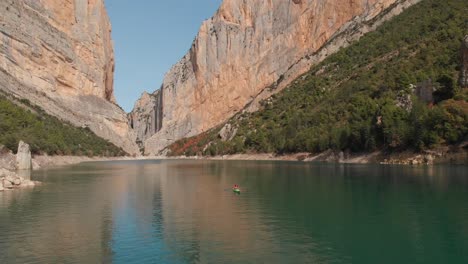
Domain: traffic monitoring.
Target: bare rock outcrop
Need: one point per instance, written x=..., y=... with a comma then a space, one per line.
x=59, y=56
x=7, y=159
x=23, y=157
x=10, y=180
x=464, y=70
x=146, y=117
x=228, y=132
x=252, y=49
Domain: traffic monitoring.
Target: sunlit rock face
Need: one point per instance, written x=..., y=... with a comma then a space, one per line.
x=146, y=117
x=59, y=55
x=23, y=157
x=251, y=49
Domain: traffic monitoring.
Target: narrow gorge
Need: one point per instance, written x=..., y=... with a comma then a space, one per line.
x=248, y=51
x=59, y=56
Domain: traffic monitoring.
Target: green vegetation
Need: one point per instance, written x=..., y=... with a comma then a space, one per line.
x=193, y=146
x=47, y=134
x=363, y=97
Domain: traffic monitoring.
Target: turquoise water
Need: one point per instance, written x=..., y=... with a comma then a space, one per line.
x=185, y=212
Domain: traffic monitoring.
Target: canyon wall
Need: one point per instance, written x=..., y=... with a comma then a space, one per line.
x=146, y=117
x=252, y=49
x=59, y=55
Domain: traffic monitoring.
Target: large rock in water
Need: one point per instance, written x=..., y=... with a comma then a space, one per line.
x=59, y=55
x=464, y=70
x=251, y=49
x=23, y=157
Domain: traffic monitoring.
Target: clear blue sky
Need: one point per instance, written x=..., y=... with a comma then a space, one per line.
x=149, y=37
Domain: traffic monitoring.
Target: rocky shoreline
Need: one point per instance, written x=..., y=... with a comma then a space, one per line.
x=441, y=156
x=17, y=171
x=10, y=180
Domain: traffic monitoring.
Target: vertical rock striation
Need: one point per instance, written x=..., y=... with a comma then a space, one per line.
x=59, y=55
x=146, y=117
x=23, y=157
x=251, y=49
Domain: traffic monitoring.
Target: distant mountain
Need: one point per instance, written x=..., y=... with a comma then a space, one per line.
x=401, y=87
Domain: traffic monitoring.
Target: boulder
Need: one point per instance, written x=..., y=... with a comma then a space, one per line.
x=11, y=179
x=17, y=181
x=429, y=159
x=23, y=157
x=7, y=184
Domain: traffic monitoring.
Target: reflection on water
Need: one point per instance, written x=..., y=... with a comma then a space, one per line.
x=185, y=212
x=25, y=174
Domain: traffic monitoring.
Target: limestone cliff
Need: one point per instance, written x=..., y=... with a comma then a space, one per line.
x=253, y=48
x=146, y=117
x=59, y=55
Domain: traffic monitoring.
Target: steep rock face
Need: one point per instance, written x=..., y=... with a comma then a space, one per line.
x=23, y=157
x=146, y=117
x=59, y=55
x=464, y=70
x=251, y=49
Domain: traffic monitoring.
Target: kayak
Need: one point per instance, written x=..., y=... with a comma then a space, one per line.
x=236, y=190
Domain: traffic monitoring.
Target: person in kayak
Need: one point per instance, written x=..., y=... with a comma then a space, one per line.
x=236, y=189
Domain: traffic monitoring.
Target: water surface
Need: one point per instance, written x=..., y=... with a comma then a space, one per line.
x=184, y=212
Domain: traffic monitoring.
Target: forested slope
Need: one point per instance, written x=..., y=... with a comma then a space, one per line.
x=47, y=134
x=395, y=89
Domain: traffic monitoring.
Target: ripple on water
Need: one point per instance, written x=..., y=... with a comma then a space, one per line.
x=185, y=212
